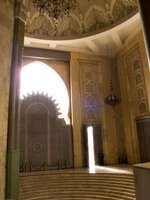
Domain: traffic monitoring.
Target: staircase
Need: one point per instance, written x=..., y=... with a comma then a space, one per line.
x=77, y=186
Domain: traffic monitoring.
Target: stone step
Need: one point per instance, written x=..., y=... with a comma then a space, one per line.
x=77, y=178
x=83, y=184
x=70, y=182
x=116, y=185
x=77, y=190
x=75, y=174
x=77, y=186
x=79, y=196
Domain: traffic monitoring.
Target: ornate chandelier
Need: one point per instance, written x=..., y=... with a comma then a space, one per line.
x=112, y=99
x=56, y=9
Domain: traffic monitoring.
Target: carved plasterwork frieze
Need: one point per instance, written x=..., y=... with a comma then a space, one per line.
x=88, y=19
x=135, y=71
x=89, y=92
x=96, y=19
x=123, y=8
x=40, y=25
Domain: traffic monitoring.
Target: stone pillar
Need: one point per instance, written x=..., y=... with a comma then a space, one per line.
x=76, y=111
x=13, y=144
x=144, y=10
x=6, y=38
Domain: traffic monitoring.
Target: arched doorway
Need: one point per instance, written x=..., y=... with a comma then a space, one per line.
x=45, y=130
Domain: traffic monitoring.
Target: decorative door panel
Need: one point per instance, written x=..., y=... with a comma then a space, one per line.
x=37, y=119
x=45, y=140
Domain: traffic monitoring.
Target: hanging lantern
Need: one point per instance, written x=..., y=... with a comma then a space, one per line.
x=112, y=99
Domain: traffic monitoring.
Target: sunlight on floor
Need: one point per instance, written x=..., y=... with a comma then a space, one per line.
x=114, y=169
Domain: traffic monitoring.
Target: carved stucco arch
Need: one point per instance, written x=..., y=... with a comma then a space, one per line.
x=36, y=14
x=112, y=5
x=77, y=19
x=65, y=25
x=90, y=10
x=103, y=20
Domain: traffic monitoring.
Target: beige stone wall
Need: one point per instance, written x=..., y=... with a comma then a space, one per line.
x=6, y=36
x=90, y=78
x=134, y=80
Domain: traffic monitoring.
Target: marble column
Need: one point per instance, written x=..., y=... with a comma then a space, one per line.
x=6, y=39
x=12, y=186
x=145, y=16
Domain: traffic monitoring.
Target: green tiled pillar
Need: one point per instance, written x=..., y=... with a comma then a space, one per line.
x=12, y=174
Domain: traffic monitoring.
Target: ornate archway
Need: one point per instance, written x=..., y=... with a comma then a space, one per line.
x=38, y=77
x=45, y=134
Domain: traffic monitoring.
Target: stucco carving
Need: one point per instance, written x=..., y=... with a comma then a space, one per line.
x=89, y=95
x=123, y=8
x=133, y=59
x=89, y=18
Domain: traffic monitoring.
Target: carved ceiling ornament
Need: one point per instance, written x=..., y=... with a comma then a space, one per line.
x=87, y=20
x=123, y=8
x=96, y=19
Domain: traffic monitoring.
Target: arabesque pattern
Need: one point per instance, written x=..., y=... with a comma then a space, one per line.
x=88, y=19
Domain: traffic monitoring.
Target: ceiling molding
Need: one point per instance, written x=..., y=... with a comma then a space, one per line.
x=107, y=43
x=89, y=19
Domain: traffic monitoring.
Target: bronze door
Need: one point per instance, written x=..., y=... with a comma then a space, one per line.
x=143, y=130
x=45, y=140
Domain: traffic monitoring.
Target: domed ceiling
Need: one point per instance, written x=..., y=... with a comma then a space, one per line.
x=91, y=17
